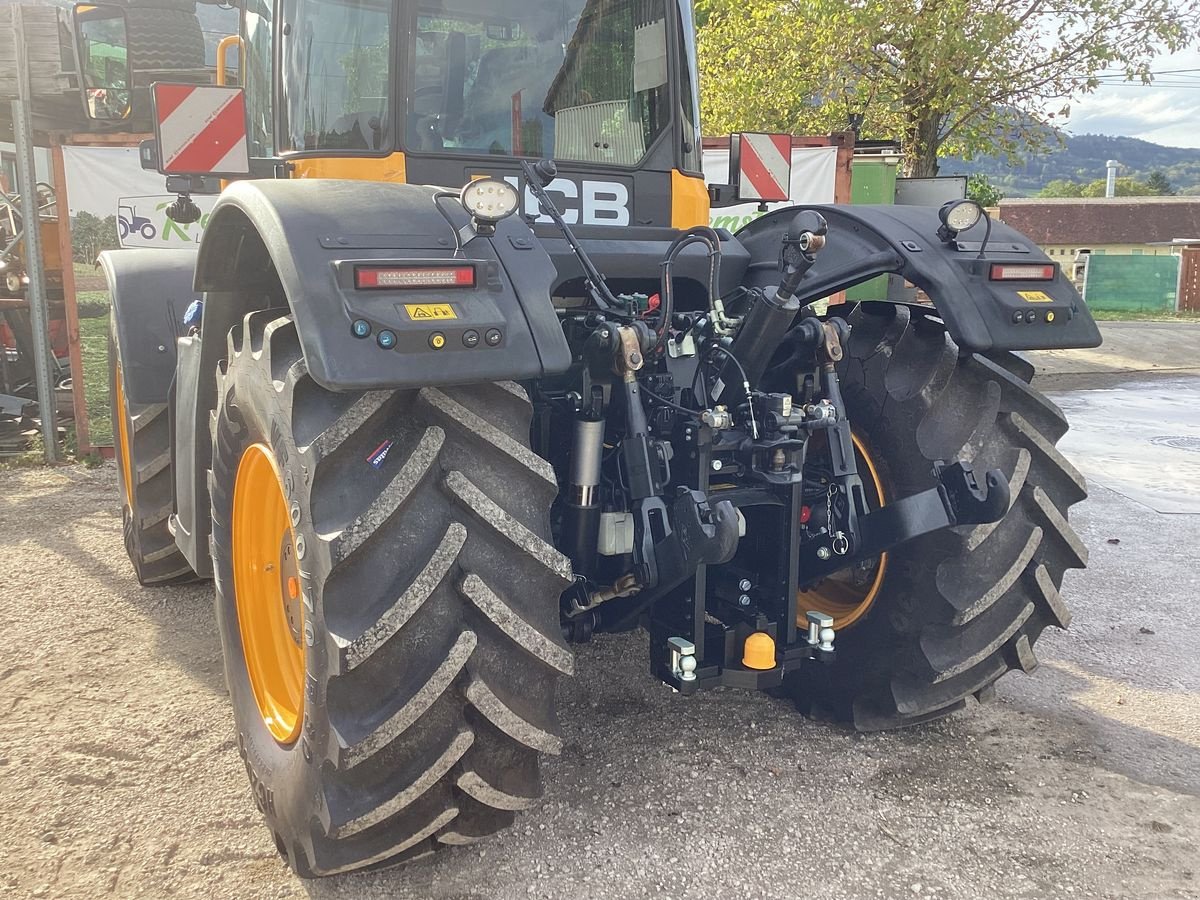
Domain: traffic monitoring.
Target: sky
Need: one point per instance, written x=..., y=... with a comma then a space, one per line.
x=1166, y=112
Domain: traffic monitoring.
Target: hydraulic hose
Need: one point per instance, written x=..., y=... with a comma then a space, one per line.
x=701, y=234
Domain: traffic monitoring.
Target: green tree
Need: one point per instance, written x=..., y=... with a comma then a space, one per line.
x=1125, y=187
x=946, y=76
x=90, y=235
x=1158, y=183
x=1061, y=187
x=982, y=191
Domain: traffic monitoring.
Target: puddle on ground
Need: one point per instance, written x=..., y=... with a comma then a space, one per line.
x=1141, y=440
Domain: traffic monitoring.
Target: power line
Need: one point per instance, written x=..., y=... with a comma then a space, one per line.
x=1173, y=85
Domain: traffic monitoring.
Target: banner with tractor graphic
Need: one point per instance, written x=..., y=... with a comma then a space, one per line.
x=143, y=222
x=113, y=202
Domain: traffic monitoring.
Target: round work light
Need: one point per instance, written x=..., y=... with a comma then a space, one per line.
x=490, y=199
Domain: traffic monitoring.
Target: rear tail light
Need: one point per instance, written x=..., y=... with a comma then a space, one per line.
x=401, y=277
x=1024, y=272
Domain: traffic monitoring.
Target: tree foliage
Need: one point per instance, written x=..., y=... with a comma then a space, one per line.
x=982, y=191
x=1124, y=187
x=1061, y=187
x=944, y=76
x=90, y=235
x=1156, y=185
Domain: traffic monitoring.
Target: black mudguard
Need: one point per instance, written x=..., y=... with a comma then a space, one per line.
x=307, y=238
x=150, y=291
x=981, y=315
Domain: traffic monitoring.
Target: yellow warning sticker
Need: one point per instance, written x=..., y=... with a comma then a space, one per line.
x=424, y=312
x=1035, y=296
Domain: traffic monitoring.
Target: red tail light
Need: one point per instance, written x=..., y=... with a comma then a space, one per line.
x=1022, y=272
x=402, y=277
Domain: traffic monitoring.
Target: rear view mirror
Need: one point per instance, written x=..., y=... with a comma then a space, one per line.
x=103, y=49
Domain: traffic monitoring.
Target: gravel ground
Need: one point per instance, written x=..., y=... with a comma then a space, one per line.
x=118, y=775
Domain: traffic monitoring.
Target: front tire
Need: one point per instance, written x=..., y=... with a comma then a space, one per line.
x=428, y=623
x=957, y=609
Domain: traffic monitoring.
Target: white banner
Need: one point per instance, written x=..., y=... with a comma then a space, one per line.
x=814, y=171
x=110, y=182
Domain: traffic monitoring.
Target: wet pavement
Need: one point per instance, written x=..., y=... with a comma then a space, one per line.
x=1140, y=439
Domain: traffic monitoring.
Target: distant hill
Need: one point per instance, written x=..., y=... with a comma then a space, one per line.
x=1082, y=159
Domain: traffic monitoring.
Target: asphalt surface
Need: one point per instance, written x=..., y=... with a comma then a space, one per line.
x=119, y=778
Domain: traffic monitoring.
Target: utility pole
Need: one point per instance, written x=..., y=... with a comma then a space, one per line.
x=39, y=308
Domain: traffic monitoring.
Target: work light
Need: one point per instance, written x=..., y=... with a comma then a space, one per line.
x=956, y=216
x=488, y=200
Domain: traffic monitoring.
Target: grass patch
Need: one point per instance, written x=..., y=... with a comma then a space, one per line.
x=1137, y=315
x=33, y=457
x=93, y=347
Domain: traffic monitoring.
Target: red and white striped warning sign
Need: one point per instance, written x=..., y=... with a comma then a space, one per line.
x=201, y=129
x=763, y=165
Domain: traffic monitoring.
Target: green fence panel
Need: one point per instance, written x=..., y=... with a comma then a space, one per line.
x=1132, y=283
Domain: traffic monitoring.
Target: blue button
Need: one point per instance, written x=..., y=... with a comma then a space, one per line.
x=386, y=339
x=361, y=328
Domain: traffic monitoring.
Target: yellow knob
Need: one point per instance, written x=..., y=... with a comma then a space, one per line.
x=437, y=341
x=1049, y=315
x=759, y=651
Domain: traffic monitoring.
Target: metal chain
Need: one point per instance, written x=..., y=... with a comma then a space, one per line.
x=829, y=530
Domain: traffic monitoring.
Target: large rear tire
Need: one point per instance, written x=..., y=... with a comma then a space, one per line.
x=427, y=630
x=142, y=446
x=957, y=609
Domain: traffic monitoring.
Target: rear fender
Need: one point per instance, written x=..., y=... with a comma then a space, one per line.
x=150, y=291
x=981, y=315
x=304, y=239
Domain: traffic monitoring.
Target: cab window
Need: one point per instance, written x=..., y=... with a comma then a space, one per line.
x=257, y=35
x=588, y=82
x=335, y=83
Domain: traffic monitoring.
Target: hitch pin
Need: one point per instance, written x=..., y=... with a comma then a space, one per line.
x=820, y=631
x=683, y=658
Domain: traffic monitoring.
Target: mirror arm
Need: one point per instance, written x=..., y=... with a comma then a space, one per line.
x=184, y=210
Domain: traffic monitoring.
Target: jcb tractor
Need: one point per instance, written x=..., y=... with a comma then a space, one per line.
x=460, y=377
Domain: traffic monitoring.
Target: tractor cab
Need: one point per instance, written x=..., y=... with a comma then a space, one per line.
x=443, y=91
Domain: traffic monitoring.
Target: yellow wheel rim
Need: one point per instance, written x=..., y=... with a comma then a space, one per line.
x=849, y=594
x=123, y=436
x=266, y=587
